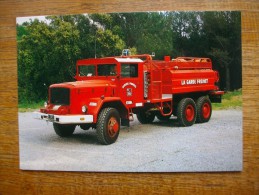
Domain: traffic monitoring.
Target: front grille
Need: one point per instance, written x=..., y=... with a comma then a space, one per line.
x=60, y=96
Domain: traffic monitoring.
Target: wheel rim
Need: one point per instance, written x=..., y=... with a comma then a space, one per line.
x=189, y=113
x=206, y=110
x=113, y=126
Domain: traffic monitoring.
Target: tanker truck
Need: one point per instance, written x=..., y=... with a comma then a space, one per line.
x=109, y=92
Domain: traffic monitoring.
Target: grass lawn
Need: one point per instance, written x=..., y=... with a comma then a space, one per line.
x=229, y=100
x=29, y=107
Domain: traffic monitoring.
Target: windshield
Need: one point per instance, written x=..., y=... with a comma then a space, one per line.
x=87, y=70
x=102, y=70
x=106, y=70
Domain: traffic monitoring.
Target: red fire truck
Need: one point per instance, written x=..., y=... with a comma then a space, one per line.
x=109, y=91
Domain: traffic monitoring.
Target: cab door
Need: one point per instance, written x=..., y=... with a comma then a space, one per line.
x=131, y=84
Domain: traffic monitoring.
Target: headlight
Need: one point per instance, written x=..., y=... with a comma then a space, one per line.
x=84, y=109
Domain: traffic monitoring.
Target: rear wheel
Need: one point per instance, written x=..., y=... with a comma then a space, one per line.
x=145, y=117
x=108, y=126
x=186, y=112
x=175, y=110
x=64, y=130
x=204, y=109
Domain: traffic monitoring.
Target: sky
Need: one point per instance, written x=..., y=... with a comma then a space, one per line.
x=21, y=20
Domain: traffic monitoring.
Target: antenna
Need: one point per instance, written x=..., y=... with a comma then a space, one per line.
x=95, y=47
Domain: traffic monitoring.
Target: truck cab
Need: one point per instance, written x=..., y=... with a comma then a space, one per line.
x=124, y=74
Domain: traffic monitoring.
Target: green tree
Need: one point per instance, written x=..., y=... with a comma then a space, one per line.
x=108, y=44
x=147, y=32
x=186, y=31
x=45, y=56
x=47, y=53
x=210, y=34
x=21, y=30
x=155, y=35
x=222, y=32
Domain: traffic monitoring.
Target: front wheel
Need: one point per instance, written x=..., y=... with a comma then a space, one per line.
x=186, y=112
x=108, y=126
x=64, y=130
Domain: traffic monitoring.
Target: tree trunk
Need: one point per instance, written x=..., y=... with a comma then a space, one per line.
x=227, y=78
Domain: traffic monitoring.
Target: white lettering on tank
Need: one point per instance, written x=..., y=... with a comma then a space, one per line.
x=194, y=81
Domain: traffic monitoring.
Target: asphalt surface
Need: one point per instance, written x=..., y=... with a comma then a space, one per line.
x=157, y=147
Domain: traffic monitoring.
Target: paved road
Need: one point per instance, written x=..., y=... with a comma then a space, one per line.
x=158, y=147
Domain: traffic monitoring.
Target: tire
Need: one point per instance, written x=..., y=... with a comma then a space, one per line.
x=186, y=112
x=108, y=126
x=145, y=117
x=204, y=109
x=175, y=110
x=64, y=130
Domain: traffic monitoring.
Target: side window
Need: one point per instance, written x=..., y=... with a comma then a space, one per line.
x=129, y=70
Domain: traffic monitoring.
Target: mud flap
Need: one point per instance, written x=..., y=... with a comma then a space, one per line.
x=216, y=97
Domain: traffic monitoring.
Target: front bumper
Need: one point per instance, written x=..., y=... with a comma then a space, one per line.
x=64, y=119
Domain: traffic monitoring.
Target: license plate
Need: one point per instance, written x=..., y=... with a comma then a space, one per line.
x=51, y=117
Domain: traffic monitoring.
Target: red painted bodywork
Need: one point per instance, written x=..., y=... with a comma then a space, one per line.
x=165, y=79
